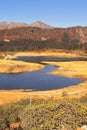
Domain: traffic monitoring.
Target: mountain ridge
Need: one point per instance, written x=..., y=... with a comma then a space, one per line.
x=10, y=25
x=35, y=38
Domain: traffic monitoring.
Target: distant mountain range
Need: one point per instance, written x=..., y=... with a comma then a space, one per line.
x=40, y=36
x=6, y=25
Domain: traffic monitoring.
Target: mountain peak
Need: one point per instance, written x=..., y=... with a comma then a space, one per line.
x=40, y=25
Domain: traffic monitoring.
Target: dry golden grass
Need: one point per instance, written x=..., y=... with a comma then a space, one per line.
x=47, y=53
x=11, y=96
x=71, y=69
x=7, y=96
x=9, y=66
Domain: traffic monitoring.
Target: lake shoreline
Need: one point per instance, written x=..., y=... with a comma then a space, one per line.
x=11, y=66
x=77, y=91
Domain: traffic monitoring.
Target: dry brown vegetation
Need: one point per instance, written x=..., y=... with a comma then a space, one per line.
x=71, y=69
x=9, y=66
x=74, y=69
x=60, y=53
x=11, y=96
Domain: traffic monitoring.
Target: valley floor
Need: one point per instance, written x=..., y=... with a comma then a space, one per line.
x=69, y=69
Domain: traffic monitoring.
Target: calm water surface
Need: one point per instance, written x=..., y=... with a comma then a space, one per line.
x=36, y=80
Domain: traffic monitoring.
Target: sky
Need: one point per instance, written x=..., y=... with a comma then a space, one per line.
x=58, y=13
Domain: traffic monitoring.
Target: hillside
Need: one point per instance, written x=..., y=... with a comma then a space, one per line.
x=34, y=38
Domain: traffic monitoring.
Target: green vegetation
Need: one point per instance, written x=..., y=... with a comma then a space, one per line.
x=45, y=115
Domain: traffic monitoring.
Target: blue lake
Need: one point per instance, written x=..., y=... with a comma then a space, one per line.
x=36, y=80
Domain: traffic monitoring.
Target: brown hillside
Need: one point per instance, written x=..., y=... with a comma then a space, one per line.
x=73, y=33
x=68, y=38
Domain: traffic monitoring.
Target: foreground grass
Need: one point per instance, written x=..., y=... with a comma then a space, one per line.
x=8, y=96
x=10, y=66
x=67, y=114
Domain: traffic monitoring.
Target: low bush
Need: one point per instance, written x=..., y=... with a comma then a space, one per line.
x=45, y=115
